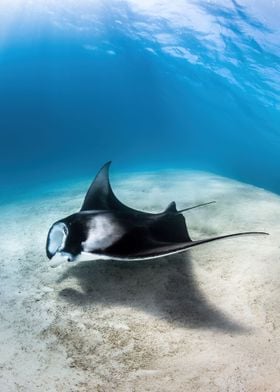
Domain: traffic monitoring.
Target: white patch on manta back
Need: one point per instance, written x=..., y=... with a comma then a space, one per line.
x=103, y=232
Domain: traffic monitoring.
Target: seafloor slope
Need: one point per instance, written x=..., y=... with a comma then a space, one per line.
x=205, y=320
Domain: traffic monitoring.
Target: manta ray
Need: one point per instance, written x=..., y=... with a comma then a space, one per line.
x=107, y=228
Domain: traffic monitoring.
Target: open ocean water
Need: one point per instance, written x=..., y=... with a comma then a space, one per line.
x=149, y=84
x=183, y=97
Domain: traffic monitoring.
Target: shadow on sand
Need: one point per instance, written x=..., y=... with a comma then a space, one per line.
x=164, y=287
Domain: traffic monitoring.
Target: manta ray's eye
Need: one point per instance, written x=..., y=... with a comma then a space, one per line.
x=57, y=238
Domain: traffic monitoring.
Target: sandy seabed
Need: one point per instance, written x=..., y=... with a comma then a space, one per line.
x=205, y=320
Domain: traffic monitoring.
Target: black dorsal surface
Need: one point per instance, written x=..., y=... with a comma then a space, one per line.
x=107, y=227
x=171, y=207
x=169, y=228
x=100, y=195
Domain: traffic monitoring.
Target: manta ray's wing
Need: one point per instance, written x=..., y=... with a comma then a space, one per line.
x=100, y=195
x=151, y=237
x=137, y=245
x=144, y=235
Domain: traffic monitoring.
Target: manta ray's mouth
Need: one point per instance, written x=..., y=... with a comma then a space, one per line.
x=56, y=239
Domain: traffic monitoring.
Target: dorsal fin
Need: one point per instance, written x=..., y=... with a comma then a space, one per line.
x=100, y=195
x=171, y=207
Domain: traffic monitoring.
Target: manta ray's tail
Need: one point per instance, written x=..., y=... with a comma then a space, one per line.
x=198, y=205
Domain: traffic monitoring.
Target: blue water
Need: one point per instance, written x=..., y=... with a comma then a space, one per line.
x=148, y=84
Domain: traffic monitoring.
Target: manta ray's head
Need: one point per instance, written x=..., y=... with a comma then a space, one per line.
x=63, y=240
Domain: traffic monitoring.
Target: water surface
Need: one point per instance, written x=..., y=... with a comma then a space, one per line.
x=149, y=84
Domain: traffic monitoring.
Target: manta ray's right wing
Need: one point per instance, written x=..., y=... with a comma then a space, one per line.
x=100, y=195
x=160, y=250
x=138, y=244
